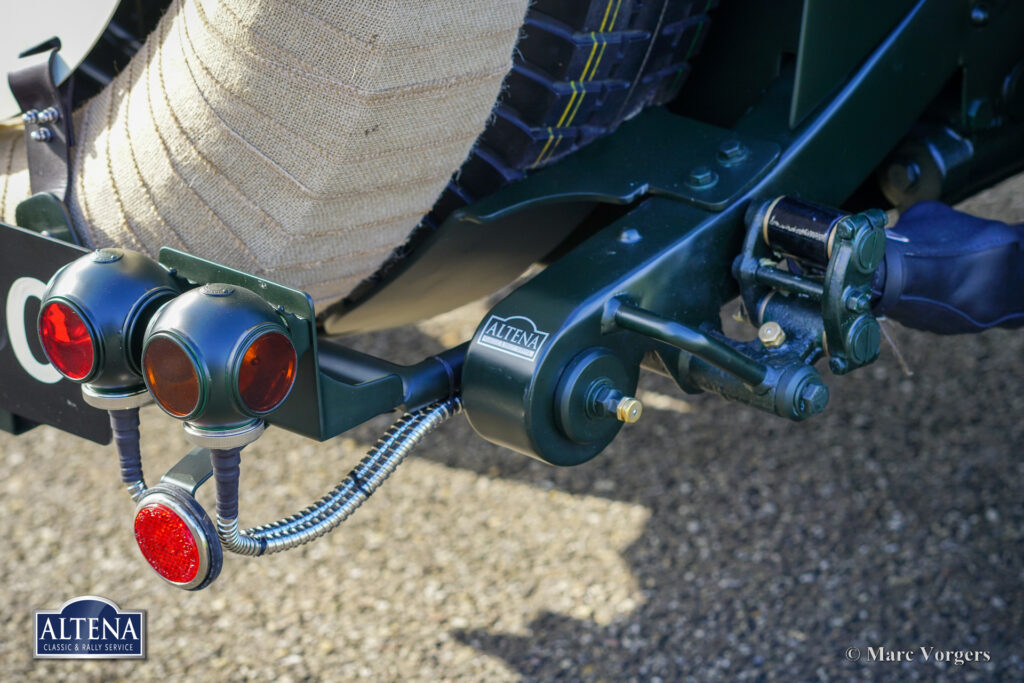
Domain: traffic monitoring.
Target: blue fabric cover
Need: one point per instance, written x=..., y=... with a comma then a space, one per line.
x=951, y=273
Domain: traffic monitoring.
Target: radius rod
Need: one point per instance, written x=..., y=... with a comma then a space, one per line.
x=676, y=334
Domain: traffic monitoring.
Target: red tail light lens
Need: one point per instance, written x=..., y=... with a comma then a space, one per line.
x=67, y=341
x=267, y=372
x=172, y=376
x=167, y=543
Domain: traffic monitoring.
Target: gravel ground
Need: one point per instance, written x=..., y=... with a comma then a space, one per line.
x=709, y=540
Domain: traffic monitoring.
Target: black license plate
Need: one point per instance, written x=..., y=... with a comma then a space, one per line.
x=31, y=390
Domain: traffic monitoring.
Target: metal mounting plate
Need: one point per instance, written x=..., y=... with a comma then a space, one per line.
x=587, y=176
x=30, y=388
x=496, y=239
x=319, y=406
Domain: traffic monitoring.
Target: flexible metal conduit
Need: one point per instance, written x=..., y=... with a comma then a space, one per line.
x=334, y=508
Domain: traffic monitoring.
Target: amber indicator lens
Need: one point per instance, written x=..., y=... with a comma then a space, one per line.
x=167, y=543
x=66, y=340
x=267, y=372
x=171, y=376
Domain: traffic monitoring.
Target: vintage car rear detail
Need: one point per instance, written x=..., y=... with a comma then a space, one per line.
x=644, y=236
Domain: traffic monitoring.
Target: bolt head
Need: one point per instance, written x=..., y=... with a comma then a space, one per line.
x=863, y=340
x=30, y=116
x=42, y=135
x=48, y=115
x=838, y=365
x=732, y=152
x=868, y=249
x=701, y=177
x=844, y=229
x=771, y=335
x=629, y=410
x=813, y=398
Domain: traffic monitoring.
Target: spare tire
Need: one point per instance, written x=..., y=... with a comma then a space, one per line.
x=305, y=141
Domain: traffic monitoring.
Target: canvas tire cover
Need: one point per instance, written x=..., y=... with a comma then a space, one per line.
x=295, y=139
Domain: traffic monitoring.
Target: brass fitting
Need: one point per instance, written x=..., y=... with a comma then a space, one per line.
x=771, y=334
x=629, y=410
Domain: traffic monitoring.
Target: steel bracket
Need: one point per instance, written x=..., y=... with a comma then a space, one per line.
x=335, y=388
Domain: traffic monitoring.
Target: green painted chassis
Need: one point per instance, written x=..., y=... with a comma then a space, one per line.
x=816, y=128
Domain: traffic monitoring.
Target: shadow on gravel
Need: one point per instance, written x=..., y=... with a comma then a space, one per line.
x=895, y=519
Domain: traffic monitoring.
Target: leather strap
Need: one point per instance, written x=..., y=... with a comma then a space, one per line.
x=47, y=142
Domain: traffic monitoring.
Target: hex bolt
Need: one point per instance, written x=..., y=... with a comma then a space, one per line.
x=48, y=115
x=771, y=335
x=42, y=135
x=838, y=365
x=701, y=177
x=843, y=229
x=813, y=398
x=732, y=152
x=30, y=116
x=629, y=410
x=858, y=302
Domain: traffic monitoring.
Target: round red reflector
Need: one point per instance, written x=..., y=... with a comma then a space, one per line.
x=167, y=543
x=267, y=372
x=66, y=340
x=171, y=376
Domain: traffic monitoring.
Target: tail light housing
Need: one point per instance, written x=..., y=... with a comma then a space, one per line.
x=177, y=538
x=220, y=358
x=92, y=320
